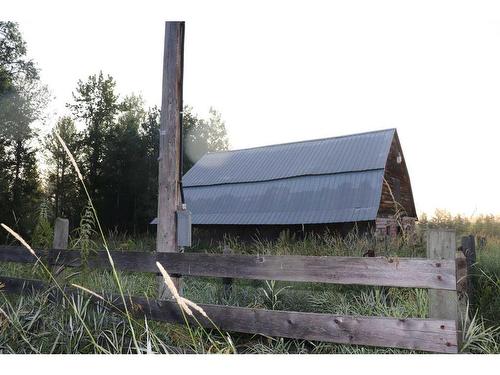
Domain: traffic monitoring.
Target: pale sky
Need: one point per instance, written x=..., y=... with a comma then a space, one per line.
x=289, y=71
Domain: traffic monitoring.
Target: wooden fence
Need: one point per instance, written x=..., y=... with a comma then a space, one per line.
x=439, y=333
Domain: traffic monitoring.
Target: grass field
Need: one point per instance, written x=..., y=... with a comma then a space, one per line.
x=36, y=324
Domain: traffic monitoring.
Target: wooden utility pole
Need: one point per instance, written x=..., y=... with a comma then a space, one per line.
x=169, y=194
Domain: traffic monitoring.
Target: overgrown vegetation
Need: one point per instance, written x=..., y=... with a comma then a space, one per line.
x=480, y=335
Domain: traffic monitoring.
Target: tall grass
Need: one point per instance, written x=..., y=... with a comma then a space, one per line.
x=352, y=244
x=477, y=337
x=480, y=335
x=89, y=219
x=39, y=323
x=85, y=234
x=487, y=282
x=101, y=232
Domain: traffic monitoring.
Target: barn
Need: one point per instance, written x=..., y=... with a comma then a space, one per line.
x=338, y=183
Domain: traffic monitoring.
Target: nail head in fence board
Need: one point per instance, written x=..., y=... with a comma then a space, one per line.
x=170, y=136
x=435, y=335
x=443, y=304
x=61, y=233
x=399, y=272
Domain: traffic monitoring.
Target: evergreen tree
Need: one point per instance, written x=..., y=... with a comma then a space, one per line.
x=22, y=101
x=95, y=103
x=63, y=186
x=122, y=167
x=119, y=152
x=150, y=142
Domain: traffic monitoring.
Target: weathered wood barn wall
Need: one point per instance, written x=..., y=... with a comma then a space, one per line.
x=336, y=184
x=397, y=208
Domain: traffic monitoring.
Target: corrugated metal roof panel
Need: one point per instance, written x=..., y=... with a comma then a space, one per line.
x=341, y=197
x=358, y=152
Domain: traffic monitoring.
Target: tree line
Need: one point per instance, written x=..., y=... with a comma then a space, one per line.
x=480, y=225
x=113, y=139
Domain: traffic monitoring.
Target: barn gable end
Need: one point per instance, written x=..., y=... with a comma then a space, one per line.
x=396, y=189
x=397, y=208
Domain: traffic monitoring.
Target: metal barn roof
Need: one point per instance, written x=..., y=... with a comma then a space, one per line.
x=359, y=152
x=312, y=182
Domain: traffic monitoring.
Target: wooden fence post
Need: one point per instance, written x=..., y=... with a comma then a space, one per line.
x=169, y=169
x=443, y=304
x=61, y=234
x=462, y=277
x=469, y=250
x=227, y=282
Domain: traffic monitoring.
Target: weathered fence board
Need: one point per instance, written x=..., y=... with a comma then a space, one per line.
x=399, y=272
x=16, y=285
x=17, y=254
x=417, y=334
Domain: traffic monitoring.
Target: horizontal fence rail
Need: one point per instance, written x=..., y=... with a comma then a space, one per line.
x=416, y=334
x=397, y=272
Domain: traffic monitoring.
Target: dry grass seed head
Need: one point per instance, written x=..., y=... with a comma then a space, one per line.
x=88, y=291
x=181, y=301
